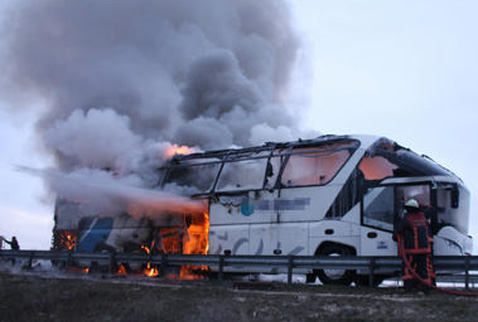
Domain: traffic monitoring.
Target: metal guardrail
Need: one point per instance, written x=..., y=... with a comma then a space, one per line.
x=220, y=263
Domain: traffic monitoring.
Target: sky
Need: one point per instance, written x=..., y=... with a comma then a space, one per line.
x=406, y=70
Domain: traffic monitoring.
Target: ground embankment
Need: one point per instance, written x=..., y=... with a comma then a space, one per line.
x=33, y=298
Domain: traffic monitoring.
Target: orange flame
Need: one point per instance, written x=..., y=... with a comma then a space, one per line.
x=146, y=249
x=85, y=270
x=190, y=238
x=197, y=242
x=150, y=271
x=121, y=271
x=178, y=149
x=70, y=241
x=65, y=240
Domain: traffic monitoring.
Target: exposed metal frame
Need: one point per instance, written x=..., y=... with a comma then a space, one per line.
x=233, y=155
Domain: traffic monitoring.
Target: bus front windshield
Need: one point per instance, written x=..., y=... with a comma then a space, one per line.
x=383, y=203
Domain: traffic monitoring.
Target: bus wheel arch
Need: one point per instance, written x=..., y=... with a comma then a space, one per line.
x=335, y=276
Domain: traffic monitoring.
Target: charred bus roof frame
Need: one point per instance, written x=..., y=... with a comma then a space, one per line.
x=237, y=154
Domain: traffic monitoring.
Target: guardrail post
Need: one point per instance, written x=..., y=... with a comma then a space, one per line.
x=467, y=272
x=30, y=259
x=371, y=269
x=69, y=260
x=112, y=263
x=290, y=265
x=221, y=267
x=13, y=260
x=163, y=264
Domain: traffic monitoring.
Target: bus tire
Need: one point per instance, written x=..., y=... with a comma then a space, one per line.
x=310, y=277
x=335, y=276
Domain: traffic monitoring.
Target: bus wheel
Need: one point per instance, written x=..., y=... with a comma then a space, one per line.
x=335, y=276
x=311, y=277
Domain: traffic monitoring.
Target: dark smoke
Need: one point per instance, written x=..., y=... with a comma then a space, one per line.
x=124, y=79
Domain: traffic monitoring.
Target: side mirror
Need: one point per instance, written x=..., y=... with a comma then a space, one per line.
x=455, y=197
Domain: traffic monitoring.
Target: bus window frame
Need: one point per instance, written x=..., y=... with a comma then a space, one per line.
x=227, y=160
x=273, y=151
x=170, y=167
x=351, y=149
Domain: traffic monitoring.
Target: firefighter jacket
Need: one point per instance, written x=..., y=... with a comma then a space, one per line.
x=415, y=233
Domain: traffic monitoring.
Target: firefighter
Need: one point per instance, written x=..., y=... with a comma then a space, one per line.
x=13, y=243
x=415, y=246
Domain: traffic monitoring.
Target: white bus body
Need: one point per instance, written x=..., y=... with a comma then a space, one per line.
x=335, y=195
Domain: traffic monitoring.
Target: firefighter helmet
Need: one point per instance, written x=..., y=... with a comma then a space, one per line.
x=412, y=204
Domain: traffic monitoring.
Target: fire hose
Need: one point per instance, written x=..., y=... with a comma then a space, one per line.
x=408, y=265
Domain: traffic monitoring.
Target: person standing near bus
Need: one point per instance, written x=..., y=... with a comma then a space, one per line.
x=415, y=246
x=13, y=243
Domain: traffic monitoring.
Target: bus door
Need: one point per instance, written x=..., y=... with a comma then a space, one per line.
x=382, y=205
x=377, y=222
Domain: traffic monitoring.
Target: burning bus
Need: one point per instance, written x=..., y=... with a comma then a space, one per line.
x=333, y=195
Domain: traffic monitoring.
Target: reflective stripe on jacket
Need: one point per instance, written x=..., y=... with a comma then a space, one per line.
x=416, y=234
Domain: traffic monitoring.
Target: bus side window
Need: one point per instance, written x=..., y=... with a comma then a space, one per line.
x=242, y=175
x=379, y=208
x=314, y=167
x=376, y=168
x=193, y=178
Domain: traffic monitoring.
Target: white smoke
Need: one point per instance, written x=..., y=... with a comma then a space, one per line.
x=126, y=79
x=95, y=138
x=110, y=195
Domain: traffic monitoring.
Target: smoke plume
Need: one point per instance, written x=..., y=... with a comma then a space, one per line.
x=125, y=80
x=108, y=195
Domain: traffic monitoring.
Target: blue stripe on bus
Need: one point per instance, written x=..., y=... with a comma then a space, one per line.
x=93, y=233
